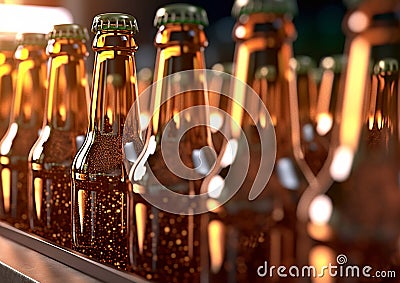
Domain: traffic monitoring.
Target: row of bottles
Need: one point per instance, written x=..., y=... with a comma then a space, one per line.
x=89, y=171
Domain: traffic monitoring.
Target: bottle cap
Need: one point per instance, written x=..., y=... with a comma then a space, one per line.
x=32, y=39
x=351, y=4
x=266, y=72
x=8, y=41
x=303, y=64
x=180, y=14
x=226, y=67
x=247, y=7
x=386, y=66
x=334, y=63
x=73, y=31
x=114, y=22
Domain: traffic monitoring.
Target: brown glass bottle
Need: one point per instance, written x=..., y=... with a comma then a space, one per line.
x=64, y=127
x=356, y=214
x=25, y=123
x=244, y=234
x=315, y=148
x=332, y=70
x=168, y=247
x=100, y=187
x=8, y=44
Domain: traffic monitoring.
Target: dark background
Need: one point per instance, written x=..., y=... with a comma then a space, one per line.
x=318, y=24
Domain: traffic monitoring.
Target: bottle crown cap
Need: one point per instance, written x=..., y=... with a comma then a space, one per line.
x=114, y=22
x=180, y=13
x=334, y=63
x=8, y=41
x=32, y=39
x=350, y=4
x=266, y=72
x=241, y=7
x=386, y=66
x=72, y=31
x=303, y=64
x=226, y=67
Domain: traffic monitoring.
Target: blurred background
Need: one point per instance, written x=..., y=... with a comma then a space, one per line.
x=318, y=23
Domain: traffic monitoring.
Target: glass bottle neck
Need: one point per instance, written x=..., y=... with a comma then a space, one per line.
x=7, y=76
x=68, y=87
x=180, y=47
x=29, y=90
x=307, y=93
x=382, y=124
x=114, y=82
x=264, y=39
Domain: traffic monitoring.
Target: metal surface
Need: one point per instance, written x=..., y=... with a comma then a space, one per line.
x=27, y=258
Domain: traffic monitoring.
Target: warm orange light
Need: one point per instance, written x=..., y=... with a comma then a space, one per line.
x=163, y=56
x=82, y=207
x=110, y=115
x=324, y=119
x=6, y=183
x=321, y=257
x=140, y=212
x=38, y=190
x=57, y=62
x=63, y=112
x=354, y=91
x=4, y=70
x=216, y=236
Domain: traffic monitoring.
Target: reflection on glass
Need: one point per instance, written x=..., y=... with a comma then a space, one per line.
x=243, y=234
x=65, y=122
x=25, y=123
x=315, y=148
x=100, y=187
x=178, y=154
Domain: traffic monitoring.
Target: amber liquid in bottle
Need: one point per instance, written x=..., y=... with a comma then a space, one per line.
x=8, y=44
x=65, y=124
x=245, y=234
x=315, y=147
x=168, y=246
x=357, y=215
x=100, y=187
x=25, y=122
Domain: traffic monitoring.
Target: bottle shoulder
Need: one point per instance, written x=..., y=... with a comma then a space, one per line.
x=55, y=147
x=99, y=154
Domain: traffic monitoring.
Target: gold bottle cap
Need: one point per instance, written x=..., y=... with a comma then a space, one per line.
x=334, y=63
x=180, y=14
x=72, y=31
x=226, y=67
x=32, y=39
x=288, y=7
x=302, y=64
x=266, y=72
x=8, y=41
x=114, y=22
x=386, y=66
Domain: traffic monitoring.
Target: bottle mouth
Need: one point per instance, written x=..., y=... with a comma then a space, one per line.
x=180, y=13
x=32, y=39
x=114, y=22
x=73, y=31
